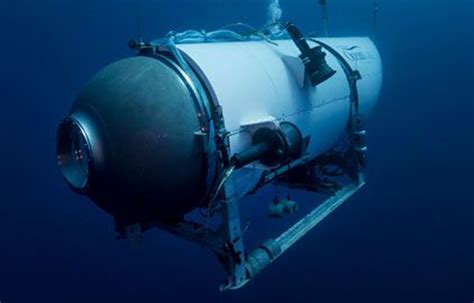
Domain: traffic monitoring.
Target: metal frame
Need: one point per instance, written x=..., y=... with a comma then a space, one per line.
x=227, y=242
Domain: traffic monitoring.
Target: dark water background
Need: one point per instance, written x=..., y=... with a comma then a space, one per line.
x=407, y=237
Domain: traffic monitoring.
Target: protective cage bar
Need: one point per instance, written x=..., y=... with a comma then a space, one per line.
x=227, y=241
x=306, y=224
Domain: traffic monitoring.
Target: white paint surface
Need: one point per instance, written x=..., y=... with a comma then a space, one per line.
x=254, y=82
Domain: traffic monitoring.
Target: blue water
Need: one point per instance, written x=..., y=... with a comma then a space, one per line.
x=407, y=237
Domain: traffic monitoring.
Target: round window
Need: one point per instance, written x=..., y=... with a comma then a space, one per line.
x=74, y=154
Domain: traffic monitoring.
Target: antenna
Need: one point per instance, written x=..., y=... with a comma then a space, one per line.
x=375, y=13
x=324, y=12
x=139, y=20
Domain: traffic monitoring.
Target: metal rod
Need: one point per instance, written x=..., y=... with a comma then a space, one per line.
x=231, y=220
x=195, y=233
x=325, y=19
x=375, y=13
x=302, y=227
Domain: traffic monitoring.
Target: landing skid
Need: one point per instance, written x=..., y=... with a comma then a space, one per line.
x=226, y=241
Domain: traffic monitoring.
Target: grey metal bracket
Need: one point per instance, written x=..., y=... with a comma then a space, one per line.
x=226, y=241
x=234, y=257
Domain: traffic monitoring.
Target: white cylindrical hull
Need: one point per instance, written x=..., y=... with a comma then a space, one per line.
x=256, y=82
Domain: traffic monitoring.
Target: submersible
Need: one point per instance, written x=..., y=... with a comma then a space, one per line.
x=198, y=121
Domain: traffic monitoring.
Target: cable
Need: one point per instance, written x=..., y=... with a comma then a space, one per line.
x=240, y=24
x=224, y=177
x=223, y=35
x=375, y=12
x=325, y=19
x=222, y=180
x=139, y=19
